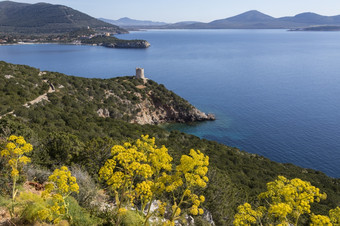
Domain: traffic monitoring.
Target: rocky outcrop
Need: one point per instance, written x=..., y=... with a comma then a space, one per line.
x=152, y=112
x=103, y=113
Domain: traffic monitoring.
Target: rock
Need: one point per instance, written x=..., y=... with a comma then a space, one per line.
x=104, y=113
x=208, y=217
x=8, y=76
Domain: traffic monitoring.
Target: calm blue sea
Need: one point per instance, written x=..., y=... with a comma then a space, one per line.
x=274, y=93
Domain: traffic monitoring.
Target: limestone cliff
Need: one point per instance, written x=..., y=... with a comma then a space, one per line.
x=154, y=112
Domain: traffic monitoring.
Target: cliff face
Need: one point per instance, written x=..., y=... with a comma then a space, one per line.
x=151, y=112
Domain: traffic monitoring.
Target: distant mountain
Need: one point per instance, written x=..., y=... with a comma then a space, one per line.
x=249, y=16
x=127, y=22
x=256, y=20
x=313, y=19
x=46, y=18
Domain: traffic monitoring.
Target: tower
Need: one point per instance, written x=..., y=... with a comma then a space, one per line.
x=140, y=73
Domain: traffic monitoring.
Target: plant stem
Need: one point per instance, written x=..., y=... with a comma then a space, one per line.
x=147, y=214
x=14, y=192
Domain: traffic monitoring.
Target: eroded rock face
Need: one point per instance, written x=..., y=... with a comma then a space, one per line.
x=167, y=113
x=104, y=113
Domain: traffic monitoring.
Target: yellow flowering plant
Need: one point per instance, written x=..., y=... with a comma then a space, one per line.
x=334, y=215
x=140, y=172
x=332, y=220
x=61, y=185
x=287, y=200
x=189, y=175
x=134, y=173
x=15, y=154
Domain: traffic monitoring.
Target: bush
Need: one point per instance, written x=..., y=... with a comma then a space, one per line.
x=87, y=187
x=30, y=204
x=79, y=215
x=132, y=218
x=37, y=174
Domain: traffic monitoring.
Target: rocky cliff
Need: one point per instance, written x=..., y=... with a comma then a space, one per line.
x=152, y=111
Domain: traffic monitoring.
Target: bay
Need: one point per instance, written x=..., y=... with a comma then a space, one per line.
x=274, y=93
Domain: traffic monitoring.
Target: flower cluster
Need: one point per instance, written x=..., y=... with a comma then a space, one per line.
x=296, y=193
x=61, y=185
x=333, y=219
x=15, y=151
x=287, y=200
x=140, y=172
x=190, y=174
x=319, y=220
x=246, y=215
x=136, y=171
x=144, y=190
x=334, y=215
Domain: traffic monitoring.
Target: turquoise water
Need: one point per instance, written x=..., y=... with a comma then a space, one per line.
x=274, y=93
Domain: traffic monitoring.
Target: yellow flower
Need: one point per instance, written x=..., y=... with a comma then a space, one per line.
x=122, y=211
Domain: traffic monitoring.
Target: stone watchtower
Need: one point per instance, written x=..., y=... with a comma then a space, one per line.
x=140, y=73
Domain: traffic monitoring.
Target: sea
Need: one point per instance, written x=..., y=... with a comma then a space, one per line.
x=275, y=93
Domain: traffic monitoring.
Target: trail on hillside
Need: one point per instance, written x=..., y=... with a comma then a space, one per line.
x=36, y=100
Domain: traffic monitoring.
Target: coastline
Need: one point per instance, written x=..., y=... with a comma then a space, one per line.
x=68, y=43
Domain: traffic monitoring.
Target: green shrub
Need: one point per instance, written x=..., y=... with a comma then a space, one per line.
x=80, y=217
x=132, y=218
x=30, y=204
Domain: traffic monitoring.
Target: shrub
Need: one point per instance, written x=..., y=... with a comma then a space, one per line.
x=87, y=187
x=36, y=173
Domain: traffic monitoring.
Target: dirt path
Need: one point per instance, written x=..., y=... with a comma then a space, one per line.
x=36, y=100
x=41, y=97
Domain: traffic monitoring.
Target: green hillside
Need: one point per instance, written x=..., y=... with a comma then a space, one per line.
x=44, y=18
x=66, y=129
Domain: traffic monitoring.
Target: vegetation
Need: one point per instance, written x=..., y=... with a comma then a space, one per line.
x=142, y=172
x=43, y=18
x=113, y=42
x=15, y=154
x=67, y=131
x=81, y=97
x=286, y=201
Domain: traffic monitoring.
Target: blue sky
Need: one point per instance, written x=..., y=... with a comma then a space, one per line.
x=195, y=10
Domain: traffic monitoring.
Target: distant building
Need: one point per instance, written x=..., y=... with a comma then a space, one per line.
x=140, y=73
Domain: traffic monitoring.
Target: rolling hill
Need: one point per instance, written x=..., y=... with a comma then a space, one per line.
x=256, y=20
x=44, y=18
x=128, y=22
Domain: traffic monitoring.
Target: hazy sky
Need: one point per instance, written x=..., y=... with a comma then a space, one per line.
x=196, y=10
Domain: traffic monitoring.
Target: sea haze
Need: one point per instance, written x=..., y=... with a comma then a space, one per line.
x=274, y=93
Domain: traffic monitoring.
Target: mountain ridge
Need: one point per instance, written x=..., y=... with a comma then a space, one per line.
x=45, y=18
x=254, y=19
